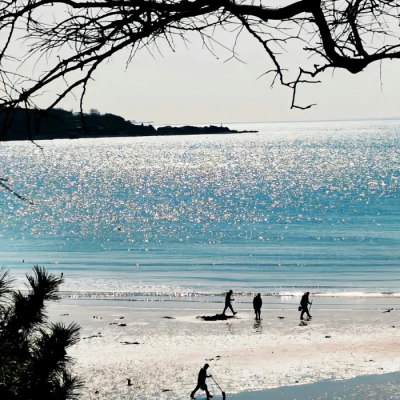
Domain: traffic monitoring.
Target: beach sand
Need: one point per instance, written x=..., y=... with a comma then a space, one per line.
x=252, y=356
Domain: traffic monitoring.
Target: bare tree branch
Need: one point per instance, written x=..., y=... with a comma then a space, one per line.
x=339, y=34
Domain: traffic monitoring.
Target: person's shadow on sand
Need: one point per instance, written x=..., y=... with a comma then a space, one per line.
x=216, y=317
x=258, y=328
x=230, y=329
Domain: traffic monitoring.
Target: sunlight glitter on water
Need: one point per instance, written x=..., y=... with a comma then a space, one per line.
x=321, y=195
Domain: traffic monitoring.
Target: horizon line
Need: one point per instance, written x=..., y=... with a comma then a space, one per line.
x=274, y=121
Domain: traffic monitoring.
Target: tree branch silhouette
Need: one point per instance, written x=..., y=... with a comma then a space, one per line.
x=342, y=34
x=12, y=191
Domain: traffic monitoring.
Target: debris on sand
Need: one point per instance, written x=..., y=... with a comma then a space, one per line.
x=121, y=325
x=89, y=337
x=216, y=317
x=281, y=317
x=130, y=342
x=388, y=310
x=327, y=337
x=217, y=358
x=168, y=318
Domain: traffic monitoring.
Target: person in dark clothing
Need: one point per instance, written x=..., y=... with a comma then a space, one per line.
x=201, y=382
x=228, y=299
x=257, y=304
x=304, y=305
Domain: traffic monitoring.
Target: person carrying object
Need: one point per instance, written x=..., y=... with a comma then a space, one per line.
x=201, y=382
x=304, y=302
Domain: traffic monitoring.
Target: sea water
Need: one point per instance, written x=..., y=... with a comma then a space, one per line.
x=311, y=205
x=372, y=387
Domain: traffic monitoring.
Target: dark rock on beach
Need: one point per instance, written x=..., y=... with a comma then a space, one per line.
x=217, y=358
x=93, y=336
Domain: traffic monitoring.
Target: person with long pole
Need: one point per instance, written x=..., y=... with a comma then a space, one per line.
x=201, y=382
x=223, y=393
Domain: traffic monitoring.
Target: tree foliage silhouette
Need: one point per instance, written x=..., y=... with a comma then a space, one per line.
x=33, y=359
x=82, y=34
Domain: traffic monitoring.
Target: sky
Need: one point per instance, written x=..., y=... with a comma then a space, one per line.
x=191, y=85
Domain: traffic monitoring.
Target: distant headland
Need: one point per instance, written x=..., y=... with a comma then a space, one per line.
x=24, y=124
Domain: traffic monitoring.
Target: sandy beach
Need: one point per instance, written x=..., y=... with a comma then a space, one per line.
x=346, y=338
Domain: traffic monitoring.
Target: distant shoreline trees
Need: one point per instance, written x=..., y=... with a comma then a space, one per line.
x=61, y=124
x=28, y=124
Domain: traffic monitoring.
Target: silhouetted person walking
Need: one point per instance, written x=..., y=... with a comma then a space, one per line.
x=228, y=299
x=304, y=305
x=257, y=304
x=201, y=382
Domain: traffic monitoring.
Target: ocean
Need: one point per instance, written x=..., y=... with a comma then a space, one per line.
x=373, y=387
x=310, y=205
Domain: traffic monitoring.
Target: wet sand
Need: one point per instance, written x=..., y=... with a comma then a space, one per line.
x=347, y=338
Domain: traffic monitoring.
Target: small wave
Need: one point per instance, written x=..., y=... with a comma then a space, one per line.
x=95, y=294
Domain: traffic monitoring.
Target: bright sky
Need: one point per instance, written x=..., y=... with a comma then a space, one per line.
x=192, y=86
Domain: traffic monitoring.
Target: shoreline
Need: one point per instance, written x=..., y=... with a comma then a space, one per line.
x=243, y=304
x=123, y=294
x=63, y=124
x=205, y=296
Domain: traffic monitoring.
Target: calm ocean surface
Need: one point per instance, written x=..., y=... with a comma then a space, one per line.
x=370, y=387
x=295, y=206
